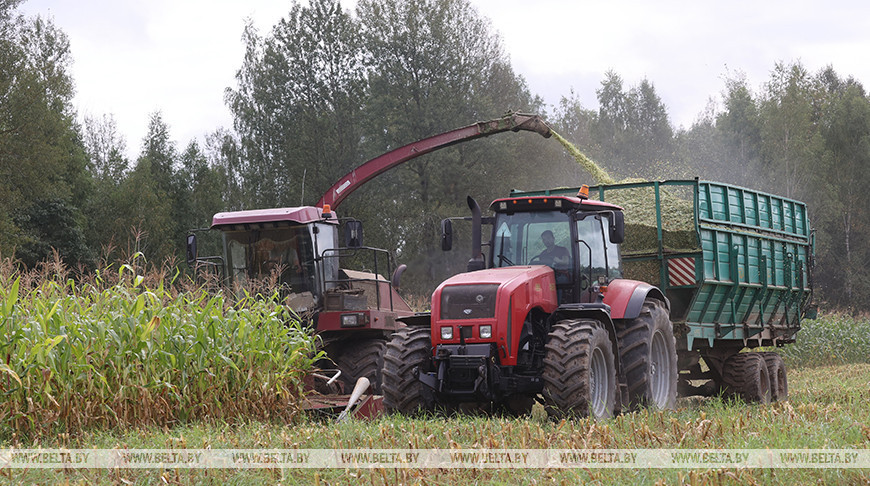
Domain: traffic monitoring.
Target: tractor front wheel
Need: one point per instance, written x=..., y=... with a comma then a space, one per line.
x=579, y=370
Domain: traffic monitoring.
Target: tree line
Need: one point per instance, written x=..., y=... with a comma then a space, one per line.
x=327, y=88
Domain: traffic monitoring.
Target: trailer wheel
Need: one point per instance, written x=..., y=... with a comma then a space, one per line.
x=745, y=375
x=579, y=370
x=648, y=354
x=360, y=358
x=409, y=348
x=776, y=374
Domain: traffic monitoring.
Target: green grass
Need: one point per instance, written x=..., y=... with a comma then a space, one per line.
x=828, y=409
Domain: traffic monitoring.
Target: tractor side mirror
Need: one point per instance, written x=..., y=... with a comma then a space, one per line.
x=446, y=235
x=617, y=227
x=353, y=234
x=191, y=250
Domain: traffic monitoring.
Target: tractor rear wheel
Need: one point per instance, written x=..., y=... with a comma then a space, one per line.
x=579, y=370
x=776, y=374
x=407, y=354
x=648, y=352
x=358, y=358
x=745, y=375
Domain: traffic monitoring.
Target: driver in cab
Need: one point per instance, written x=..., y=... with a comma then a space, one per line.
x=553, y=254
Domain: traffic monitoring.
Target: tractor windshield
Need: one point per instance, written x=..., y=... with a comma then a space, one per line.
x=534, y=238
x=281, y=257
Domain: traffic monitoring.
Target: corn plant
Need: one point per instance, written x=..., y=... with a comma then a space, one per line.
x=110, y=350
x=832, y=339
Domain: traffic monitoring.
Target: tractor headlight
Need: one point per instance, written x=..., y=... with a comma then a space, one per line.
x=351, y=320
x=485, y=332
x=447, y=333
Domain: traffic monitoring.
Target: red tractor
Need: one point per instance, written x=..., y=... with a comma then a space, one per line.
x=545, y=317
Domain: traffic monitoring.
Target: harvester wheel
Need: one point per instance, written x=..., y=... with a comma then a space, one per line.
x=410, y=348
x=745, y=375
x=648, y=352
x=360, y=358
x=579, y=370
x=776, y=374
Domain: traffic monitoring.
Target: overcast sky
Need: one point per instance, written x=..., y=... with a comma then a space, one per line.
x=134, y=57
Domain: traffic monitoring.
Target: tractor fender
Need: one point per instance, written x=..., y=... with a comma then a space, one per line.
x=626, y=297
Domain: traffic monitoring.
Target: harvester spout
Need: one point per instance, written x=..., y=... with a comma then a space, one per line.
x=532, y=123
x=514, y=122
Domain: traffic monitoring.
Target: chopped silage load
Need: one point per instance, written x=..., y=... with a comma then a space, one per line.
x=639, y=204
x=597, y=172
x=641, y=237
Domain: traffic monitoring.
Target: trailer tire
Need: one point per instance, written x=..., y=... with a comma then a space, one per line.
x=777, y=376
x=361, y=358
x=745, y=375
x=408, y=353
x=648, y=354
x=579, y=370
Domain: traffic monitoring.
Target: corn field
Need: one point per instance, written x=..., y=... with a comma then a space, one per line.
x=832, y=339
x=124, y=347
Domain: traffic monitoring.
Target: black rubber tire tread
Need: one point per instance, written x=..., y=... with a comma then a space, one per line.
x=409, y=348
x=777, y=376
x=567, y=368
x=745, y=375
x=635, y=351
x=357, y=358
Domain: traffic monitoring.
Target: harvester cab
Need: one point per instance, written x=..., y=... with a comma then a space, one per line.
x=296, y=253
x=286, y=244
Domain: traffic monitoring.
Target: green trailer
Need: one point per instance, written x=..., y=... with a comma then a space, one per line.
x=735, y=265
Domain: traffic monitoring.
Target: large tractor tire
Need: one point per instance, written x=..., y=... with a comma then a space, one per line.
x=648, y=353
x=358, y=358
x=776, y=374
x=409, y=349
x=745, y=375
x=579, y=370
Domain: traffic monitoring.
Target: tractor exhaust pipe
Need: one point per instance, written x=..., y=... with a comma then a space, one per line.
x=477, y=262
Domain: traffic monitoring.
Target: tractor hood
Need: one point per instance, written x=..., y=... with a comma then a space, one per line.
x=478, y=294
x=501, y=276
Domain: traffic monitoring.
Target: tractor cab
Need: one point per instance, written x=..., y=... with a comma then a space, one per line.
x=576, y=237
